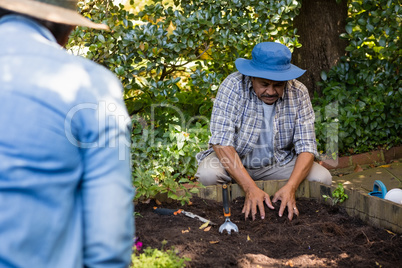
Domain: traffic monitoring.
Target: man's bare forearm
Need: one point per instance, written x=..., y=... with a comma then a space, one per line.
x=303, y=165
x=230, y=160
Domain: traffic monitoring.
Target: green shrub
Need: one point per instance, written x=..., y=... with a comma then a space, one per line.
x=183, y=49
x=366, y=85
x=163, y=160
x=155, y=258
x=177, y=52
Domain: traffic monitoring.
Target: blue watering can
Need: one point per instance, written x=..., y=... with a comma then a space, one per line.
x=379, y=189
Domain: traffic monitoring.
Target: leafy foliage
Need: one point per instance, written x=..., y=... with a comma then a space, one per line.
x=164, y=160
x=196, y=43
x=338, y=195
x=152, y=257
x=178, y=53
x=366, y=84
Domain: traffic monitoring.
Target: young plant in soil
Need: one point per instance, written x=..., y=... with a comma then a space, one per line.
x=338, y=195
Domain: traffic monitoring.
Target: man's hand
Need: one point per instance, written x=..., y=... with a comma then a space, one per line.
x=255, y=198
x=287, y=193
x=288, y=200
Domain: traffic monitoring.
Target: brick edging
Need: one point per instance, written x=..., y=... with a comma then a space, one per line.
x=373, y=157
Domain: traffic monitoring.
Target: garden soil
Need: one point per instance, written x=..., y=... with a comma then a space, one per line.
x=322, y=236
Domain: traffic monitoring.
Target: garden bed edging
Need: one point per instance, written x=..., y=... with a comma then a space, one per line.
x=372, y=210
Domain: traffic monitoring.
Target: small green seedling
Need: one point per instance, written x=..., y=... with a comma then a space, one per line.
x=338, y=195
x=137, y=214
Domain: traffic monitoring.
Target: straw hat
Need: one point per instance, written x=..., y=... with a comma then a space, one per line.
x=59, y=11
x=271, y=61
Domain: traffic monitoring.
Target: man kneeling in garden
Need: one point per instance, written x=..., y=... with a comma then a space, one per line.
x=262, y=128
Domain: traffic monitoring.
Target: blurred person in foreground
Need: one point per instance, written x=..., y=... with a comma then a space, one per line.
x=65, y=176
x=262, y=128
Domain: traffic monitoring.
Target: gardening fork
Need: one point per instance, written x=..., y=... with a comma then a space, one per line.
x=227, y=226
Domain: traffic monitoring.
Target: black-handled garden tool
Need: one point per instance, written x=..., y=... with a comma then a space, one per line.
x=227, y=226
x=166, y=211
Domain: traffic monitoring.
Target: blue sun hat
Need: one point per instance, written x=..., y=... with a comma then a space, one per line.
x=271, y=61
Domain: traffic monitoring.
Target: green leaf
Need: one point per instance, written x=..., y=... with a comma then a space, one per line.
x=349, y=28
x=382, y=41
x=323, y=75
x=370, y=27
x=361, y=21
x=194, y=190
x=349, y=48
x=101, y=38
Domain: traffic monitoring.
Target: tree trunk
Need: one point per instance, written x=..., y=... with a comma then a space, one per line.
x=319, y=25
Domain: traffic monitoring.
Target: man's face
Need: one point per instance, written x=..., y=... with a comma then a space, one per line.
x=267, y=90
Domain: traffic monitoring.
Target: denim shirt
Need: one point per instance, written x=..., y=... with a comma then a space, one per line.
x=238, y=113
x=65, y=178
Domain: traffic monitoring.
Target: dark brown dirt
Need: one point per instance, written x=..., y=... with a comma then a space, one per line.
x=322, y=236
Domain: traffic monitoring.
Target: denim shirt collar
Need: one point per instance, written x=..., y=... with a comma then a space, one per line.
x=23, y=21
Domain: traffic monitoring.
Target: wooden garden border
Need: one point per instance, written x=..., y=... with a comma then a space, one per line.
x=372, y=210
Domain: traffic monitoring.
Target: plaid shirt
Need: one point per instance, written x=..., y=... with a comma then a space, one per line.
x=238, y=113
